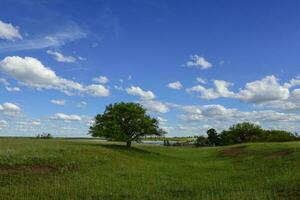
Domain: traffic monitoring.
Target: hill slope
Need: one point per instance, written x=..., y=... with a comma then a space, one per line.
x=80, y=169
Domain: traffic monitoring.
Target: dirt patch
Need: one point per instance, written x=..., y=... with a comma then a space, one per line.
x=34, y=169
x=233, y=151
x=279, y=154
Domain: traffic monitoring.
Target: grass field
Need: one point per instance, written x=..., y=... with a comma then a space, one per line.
x=83, y=169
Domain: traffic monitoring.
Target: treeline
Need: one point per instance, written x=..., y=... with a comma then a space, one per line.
x=242, y=133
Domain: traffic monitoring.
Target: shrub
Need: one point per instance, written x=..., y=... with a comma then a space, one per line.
x=240, y=133
x=44, y=136
x=201, y=141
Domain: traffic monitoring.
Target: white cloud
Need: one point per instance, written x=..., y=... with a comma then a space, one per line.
x=267, y=89
x=219, y=113
x=31, y=72
x=155, y=106
x=198, y=62
x=81, y=58
x=12, y=89
x=201, y=80
x=10, y=109
x=36, y=123
x=220, y=90
x=60, y=102
x=69, y=33
x=8, y=87
x=293, y=82
x=162, y=120
x=137, y=91
x=4, y=81
x=60, y=57
x=101, y=79
x=82, y=104
x=175, y=85
x=97, y=90
x=65, y=117
x=3, y=124
x=9, y=32
x=264, y=90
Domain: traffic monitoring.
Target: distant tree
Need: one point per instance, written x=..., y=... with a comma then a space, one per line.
x=242, y=132
x=213, y=137
x=44, y=136
x=201, y=141
x=278, y=136
x=125, y=122
x=166, y=142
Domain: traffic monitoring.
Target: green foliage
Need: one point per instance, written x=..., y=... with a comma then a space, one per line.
x=213, y=137
x=248, y=132
x=125, y=122
x=278, y=136
x=241, y=133
x=44, y=136
x=202, y=141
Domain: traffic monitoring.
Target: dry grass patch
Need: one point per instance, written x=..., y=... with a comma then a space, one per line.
x=233, y=151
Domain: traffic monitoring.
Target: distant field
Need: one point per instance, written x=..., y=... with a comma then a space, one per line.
x=86, y=169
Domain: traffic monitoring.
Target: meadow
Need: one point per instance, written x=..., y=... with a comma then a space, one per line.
x=89, y=169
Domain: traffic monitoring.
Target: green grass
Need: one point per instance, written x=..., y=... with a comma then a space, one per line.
x=83, y=169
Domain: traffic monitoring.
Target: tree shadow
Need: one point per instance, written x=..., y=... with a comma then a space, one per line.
x=125, y=149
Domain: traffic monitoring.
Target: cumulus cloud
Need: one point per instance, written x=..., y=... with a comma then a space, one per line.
x=3, y=124
x=60, y=102
x=220, y=90
x=198, y=62
x=9, y=32
x=65, y=117
x=266, y=89
x=101, y=79
x=31, y=72
x=219, y=113
x=137, y=91
x=97, y=90
x=175, y=85
x=60, y=57
x=148, y=99
x=10, y=107
x=155, y=106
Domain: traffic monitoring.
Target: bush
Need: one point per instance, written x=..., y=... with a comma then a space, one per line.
x=44, y=136
x=242, y=133
x=278, y=136
x=201, y=141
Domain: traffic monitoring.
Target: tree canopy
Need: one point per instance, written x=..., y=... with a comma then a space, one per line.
x=125, y=122
x=242, y=133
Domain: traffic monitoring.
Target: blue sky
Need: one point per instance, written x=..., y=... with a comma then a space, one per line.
x=192, y=64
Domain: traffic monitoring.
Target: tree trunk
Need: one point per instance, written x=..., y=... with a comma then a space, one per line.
x=128, y=144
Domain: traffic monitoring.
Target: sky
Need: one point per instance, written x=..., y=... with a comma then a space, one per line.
x=194, y=64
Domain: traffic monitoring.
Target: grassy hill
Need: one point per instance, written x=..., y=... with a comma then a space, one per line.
x=83, y=169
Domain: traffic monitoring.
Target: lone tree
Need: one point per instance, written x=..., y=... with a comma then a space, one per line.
x=125, y=122
x=213, y=137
